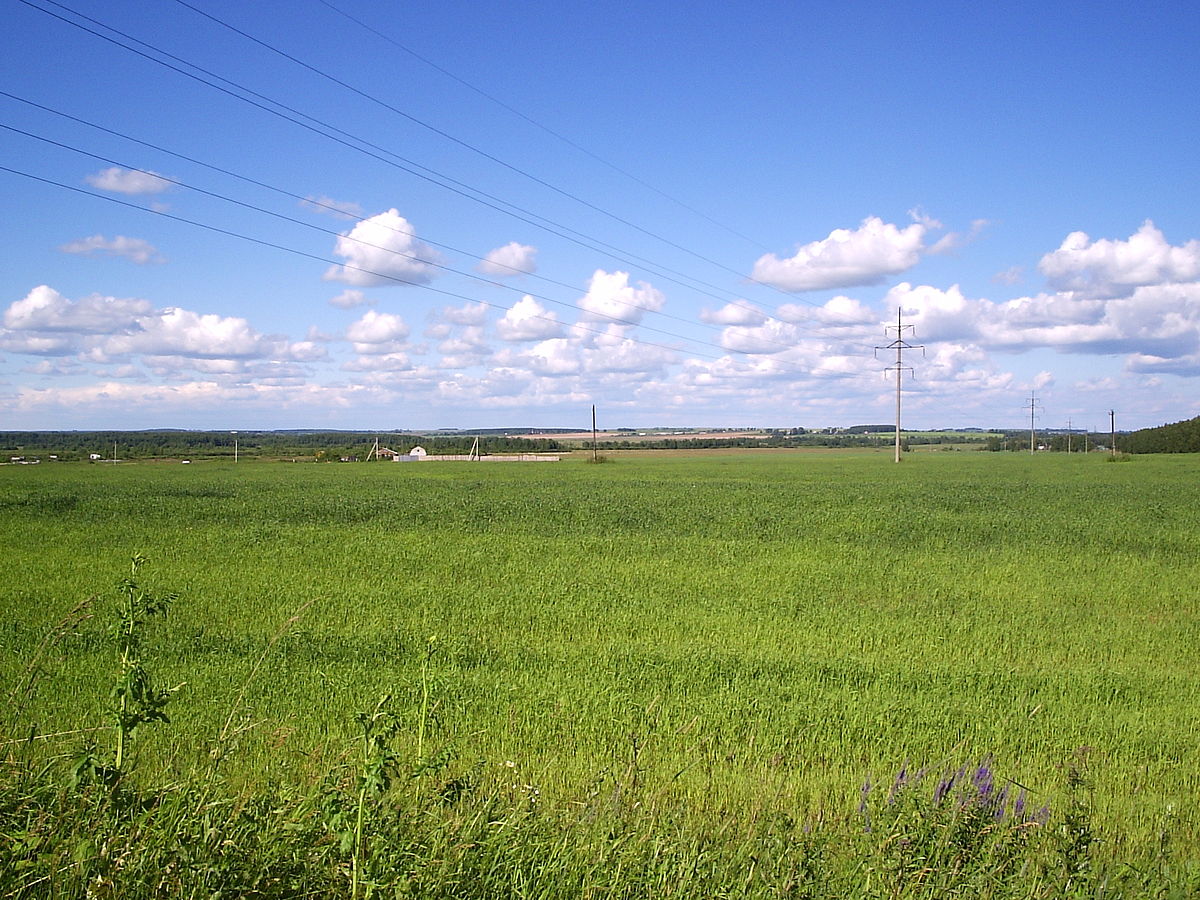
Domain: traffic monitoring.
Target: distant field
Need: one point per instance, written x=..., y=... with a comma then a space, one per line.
x=586, y=436
x=749, y=633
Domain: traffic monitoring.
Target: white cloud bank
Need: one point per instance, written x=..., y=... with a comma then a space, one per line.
x=1114, y=268
x=100, y=329
x=799, y=363
x=865, y=256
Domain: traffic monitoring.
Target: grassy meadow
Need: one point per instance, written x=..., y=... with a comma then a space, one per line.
x=669, y=675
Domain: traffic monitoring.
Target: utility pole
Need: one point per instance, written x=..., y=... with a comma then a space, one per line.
x=595, y=457
x=1068, y=435
x=1032, y=412
x=1112, y=427
x=899, y=345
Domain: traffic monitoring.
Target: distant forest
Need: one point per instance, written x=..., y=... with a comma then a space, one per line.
x=324, y=446
x=1179, y=437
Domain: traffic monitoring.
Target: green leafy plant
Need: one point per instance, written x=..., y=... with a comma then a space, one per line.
x=136, y=701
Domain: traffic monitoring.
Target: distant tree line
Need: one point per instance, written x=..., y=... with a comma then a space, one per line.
x=777, y=439
x=75, y=445
x=1178, y=437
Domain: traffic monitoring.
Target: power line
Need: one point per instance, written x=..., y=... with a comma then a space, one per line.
x=449, y=183
x=539, y=125
x=469, y=146
x=410, y=256
x=362, y=242
x=453, y=138
x=388, y=157
x=393, y=278
x=307, y=200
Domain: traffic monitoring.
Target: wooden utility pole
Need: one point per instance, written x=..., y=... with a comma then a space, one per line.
x=1068, y=435
x=899, y=345
x=1112, y=427
x=595, y=457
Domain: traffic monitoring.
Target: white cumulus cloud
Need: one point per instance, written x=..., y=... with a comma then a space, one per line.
x=182, y=332
x=611, y=296
x=128, y=181
x=46, y=310
x=528, y=320
x=1114, y=268
x=99, y=329
x=383, y=250
x=739, y=313
x=467, y=314
x=772, y=336
x=864, y=256
x=511, y=259
x=838, y=312
x=378, y=333
x=349, y=299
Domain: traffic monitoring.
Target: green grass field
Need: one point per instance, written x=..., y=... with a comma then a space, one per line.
x=697, y=646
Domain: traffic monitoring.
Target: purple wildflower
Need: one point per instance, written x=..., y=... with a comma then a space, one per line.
x=863, y=809
x=945, y=785
x=1019, y=806
x=999, y=804
x=899, y=784
x=982, y=780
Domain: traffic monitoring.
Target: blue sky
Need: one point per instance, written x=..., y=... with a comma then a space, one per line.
x=686, y=214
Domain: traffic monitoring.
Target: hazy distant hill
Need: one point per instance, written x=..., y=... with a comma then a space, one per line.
x=1178, y=437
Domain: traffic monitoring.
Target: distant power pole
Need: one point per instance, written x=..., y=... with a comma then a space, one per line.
x=594, y=454
x=1112, y=427
x=1068, y=435
x=1032, y=412
x=899, y=345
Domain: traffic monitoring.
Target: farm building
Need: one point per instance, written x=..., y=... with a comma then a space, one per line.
x=420, y=454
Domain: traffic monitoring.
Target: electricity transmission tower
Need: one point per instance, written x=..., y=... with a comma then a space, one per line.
x=1033, y=408
x=899, y=345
